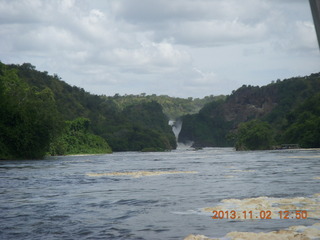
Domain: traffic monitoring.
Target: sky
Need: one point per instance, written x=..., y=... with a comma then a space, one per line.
x=180, y=48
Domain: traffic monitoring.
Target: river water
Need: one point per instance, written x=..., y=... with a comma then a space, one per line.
x=134, y=195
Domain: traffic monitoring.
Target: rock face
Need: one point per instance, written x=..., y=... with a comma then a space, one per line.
x=210, y=127
x=249, y=102
x=270, y=103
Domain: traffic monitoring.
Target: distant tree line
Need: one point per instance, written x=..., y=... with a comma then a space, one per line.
x=173, y=107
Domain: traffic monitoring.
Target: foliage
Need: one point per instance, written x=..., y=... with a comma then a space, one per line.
x=38, y=111
x=143, y=126
x=204, y=129
x=254, y=135
x=77, y=139
x=303, y=126
x=129, y=127
x=276, y=104
x=29, y=118
x=173, y=107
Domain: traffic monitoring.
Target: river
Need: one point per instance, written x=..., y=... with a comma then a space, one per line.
x=166, y=195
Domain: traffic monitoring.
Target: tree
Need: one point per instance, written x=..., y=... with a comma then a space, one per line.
x=77, y=139
x=304, y=124
x=254, y=135
x=29, y=118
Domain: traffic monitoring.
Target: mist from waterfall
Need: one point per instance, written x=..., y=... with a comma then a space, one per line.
x=176, y=128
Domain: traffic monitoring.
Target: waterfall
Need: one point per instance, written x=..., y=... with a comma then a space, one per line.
x=176, y=127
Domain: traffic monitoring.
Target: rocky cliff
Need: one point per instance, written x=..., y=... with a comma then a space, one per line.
x=270, y=103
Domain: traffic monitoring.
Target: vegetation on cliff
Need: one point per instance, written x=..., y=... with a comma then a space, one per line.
x=39, y=110
x=41, y=114
x=204, y=131
x=287, y=111
x=303, y=124
x=139, y=127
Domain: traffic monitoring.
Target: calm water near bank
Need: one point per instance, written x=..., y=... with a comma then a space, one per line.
x=135, y=195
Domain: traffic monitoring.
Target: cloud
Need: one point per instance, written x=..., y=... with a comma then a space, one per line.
x=304, y=38
x=211, y=22
x=200, y=23
x=203, y=79
x=147, y=12
x=216, y=33
x=158, y=56
x=181, y=47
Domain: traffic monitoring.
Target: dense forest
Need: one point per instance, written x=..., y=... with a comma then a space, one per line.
x=29, y=121
x=42, y=115
x=252, y=117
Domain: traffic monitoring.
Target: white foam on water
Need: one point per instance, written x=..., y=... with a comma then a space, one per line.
x=291, y=233
x=231, y=166
x=228, y=176
x=138, y=174
x=239, y=170
x=188, y=212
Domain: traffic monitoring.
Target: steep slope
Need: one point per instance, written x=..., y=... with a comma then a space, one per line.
x=119, y=127
x=271, y=103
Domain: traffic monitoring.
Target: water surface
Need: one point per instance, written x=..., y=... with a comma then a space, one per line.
x=90, y=197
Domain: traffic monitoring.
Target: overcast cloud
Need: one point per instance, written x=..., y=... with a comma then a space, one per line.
x=175, y=47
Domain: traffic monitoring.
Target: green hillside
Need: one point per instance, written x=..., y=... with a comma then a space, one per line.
x=41, y=115
x=39, y=110
x=283, y=112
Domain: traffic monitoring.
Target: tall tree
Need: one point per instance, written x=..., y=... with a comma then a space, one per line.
x=29, y=118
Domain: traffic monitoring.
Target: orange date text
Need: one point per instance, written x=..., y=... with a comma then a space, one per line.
x=262, y=214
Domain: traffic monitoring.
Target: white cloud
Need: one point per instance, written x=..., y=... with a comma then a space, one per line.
x=200, y=23
x=157, y=56
x=305, y=38
x=65, y=5
x=202, y=79
x=215, y=33
x=153, y=46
